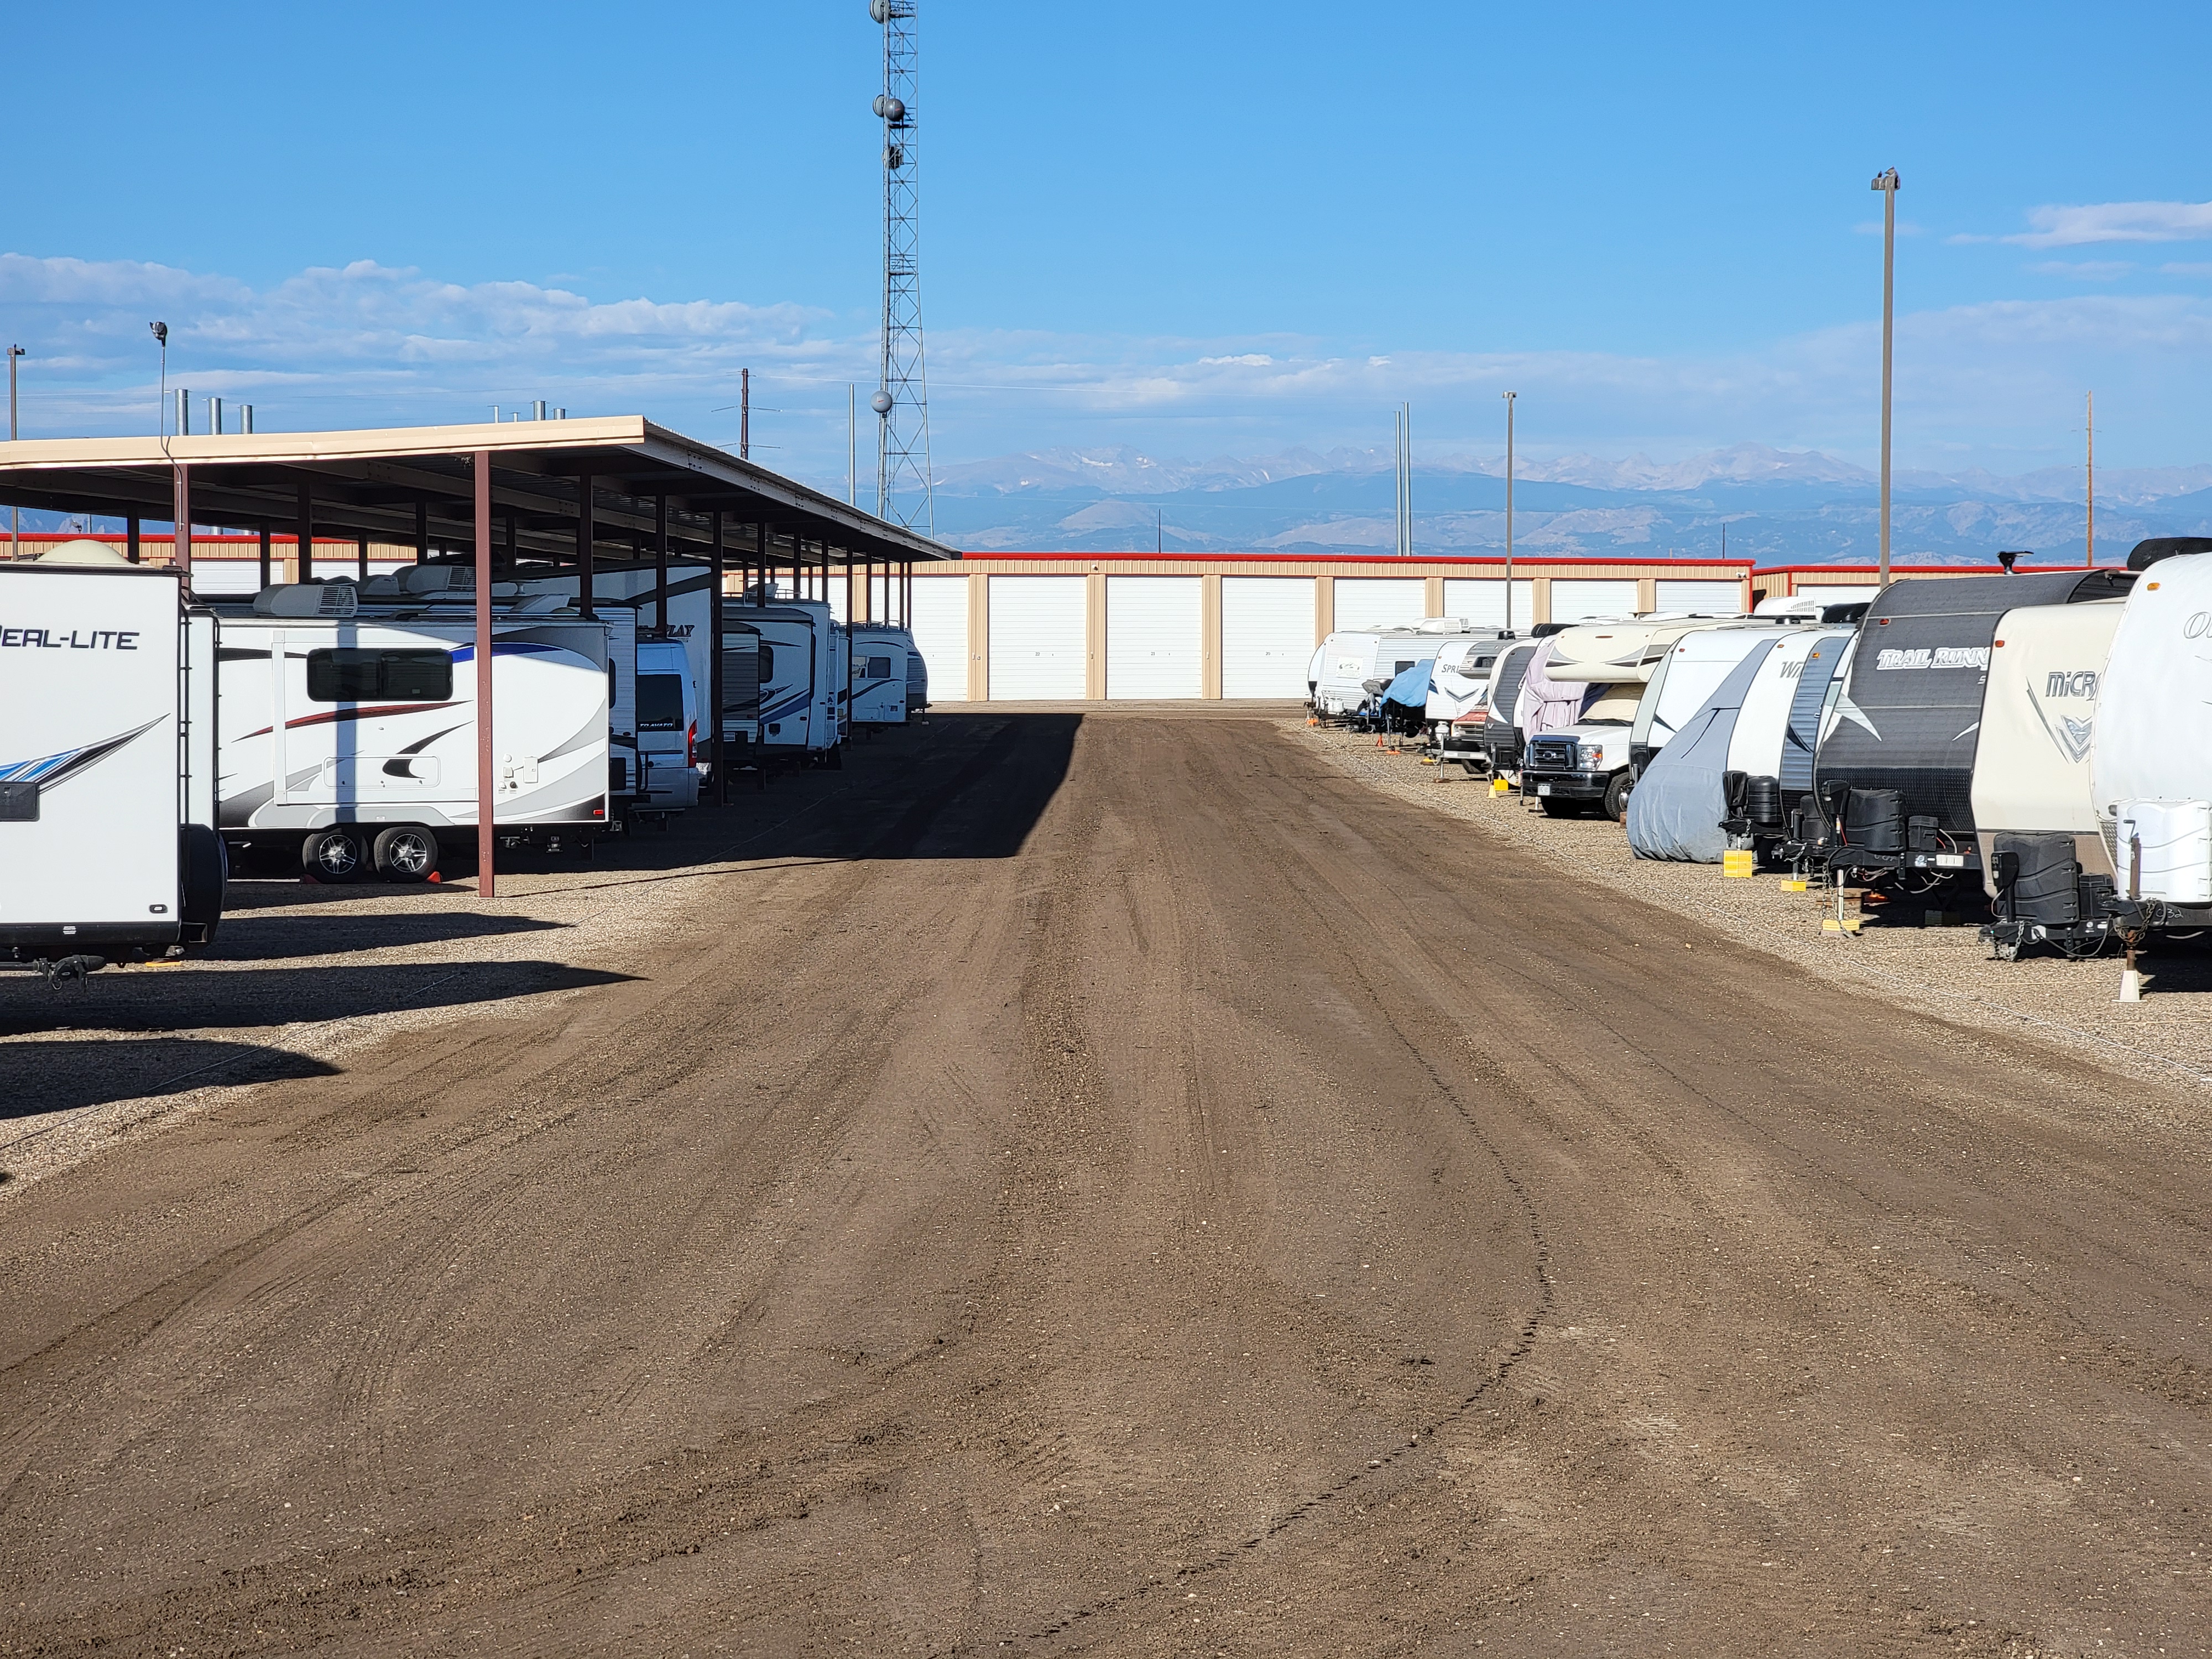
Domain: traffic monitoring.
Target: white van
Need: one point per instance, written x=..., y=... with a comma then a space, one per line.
x=107, y=762
x=667, y=730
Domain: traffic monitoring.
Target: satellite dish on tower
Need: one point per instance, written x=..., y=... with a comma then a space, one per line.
x=880, y=10
x=881, y=403
x=892, y=109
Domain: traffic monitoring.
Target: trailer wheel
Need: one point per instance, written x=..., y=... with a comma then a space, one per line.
x=404, y=853
x=1616, y=798
x=335, y=855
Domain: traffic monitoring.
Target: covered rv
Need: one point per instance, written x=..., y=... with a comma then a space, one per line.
x=1895, y=767
x=108, y=753
x=1679, y=806
x=349, y=737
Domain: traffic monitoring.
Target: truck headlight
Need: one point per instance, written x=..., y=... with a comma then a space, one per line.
x=1593, y=754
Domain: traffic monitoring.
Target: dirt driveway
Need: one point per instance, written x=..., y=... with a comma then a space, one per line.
x=1107, y=1184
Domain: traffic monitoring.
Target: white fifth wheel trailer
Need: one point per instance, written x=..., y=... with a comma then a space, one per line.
x=801, y=678
x=350, y=738
x=107, y=761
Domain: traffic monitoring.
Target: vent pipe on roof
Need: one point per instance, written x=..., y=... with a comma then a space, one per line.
x=246, y=417
x=215, y=417
x=537, y=410
x=559, y=414
x=183, y=413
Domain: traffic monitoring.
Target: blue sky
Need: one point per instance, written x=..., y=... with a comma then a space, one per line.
x=1198, y=230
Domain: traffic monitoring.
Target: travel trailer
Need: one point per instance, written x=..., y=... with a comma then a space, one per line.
x=1894, y=775
x=1491, y=728
x=108, y=753
x=348, y=737
x=801, y=676
x=882, y=682
x=1459, y=686
x=1356, y=665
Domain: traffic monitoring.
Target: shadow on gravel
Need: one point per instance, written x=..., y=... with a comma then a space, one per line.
x=248, y=938
x=192, y=999
x=61, y=1075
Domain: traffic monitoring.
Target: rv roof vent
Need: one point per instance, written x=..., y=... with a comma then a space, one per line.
x=436, y=578
x=306, y=600
x=534, y=604
x=1440, y=625
x=381, y=588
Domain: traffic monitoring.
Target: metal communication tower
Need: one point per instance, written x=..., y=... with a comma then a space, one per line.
x=901, y=399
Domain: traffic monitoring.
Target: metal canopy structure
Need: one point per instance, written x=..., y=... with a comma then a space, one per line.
x=416, y=485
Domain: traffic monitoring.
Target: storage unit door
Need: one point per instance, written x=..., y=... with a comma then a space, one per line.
x=940, y=634
x=1702, y=598
x=1037, y=646
x=1153, y=636
x=1479, y=601
x=1575, y=600
x=1267, y=636
x=1380, y=601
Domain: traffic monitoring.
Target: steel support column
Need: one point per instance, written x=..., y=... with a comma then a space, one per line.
x=716, y=758
x=264, y=552
x=487, y=781
x=361, y=559
x=303, y=554
x=583, y=545
x=660, y=562
x=131, y=537
x=180, y=548
x=421, y=528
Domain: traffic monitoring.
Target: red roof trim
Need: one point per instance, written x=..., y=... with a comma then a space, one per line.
x=1874, y=570
x=1741, y=566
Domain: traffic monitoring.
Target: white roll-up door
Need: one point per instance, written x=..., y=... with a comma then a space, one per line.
x=1037, y=646
x=940, y=632
x=1153, y=636
x=1379, y=601
x=1577, y=600
x=236, y=576
x=1267, y=636
x=1702, y=598
x=1479, y=601
x=1839, y=594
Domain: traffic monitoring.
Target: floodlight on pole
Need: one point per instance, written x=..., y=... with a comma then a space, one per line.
x=1887, y=184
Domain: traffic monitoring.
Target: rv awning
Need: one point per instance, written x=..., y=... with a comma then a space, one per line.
x=414, y=485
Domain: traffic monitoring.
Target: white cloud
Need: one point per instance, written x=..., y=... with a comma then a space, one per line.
x=2117, y=221
x=1997, y=384
x=2183, y=268
x=2084, y=271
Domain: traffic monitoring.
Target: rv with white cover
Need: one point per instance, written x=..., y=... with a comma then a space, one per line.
x=2150, y=768
x=349, y=738
x=882, y=654
x=1585, y=760
x=107, y=762
x=1356, y=664
x=1894, y=778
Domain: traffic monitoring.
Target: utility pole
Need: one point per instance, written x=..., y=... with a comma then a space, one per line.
x=2092, y=430
x=744, y=414
x=14, y=513
x=851, y=445
x=1887, y=184
x=1510, y=397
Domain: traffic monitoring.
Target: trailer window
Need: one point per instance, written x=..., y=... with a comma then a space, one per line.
x=660, y=702
x=767, y=662
x=875, y=668
x=356, y=675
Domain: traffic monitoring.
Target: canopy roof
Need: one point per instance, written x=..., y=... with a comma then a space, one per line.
x=404, y=484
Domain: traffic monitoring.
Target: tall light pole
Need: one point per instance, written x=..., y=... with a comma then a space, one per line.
x=1887, y=184
x=1510, y=397
x=14, y=513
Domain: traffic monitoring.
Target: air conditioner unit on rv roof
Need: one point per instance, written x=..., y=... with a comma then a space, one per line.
x=306, y=600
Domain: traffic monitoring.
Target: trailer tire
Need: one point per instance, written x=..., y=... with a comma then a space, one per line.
x=338, y=855
x=405, y=852
x=1616, y=798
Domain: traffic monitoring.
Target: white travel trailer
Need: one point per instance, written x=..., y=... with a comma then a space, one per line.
x=2039, y=711
x=107, y=761
x=881, y=693
x=801, y=678
x=2150, y=768
x=349, y=738
x=1357, y=664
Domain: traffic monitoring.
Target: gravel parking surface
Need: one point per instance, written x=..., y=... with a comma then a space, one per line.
x=1944, y=970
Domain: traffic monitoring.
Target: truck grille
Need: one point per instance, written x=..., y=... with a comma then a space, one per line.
x=1552, y=754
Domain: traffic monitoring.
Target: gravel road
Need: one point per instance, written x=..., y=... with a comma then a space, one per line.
x=1116, y=1183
